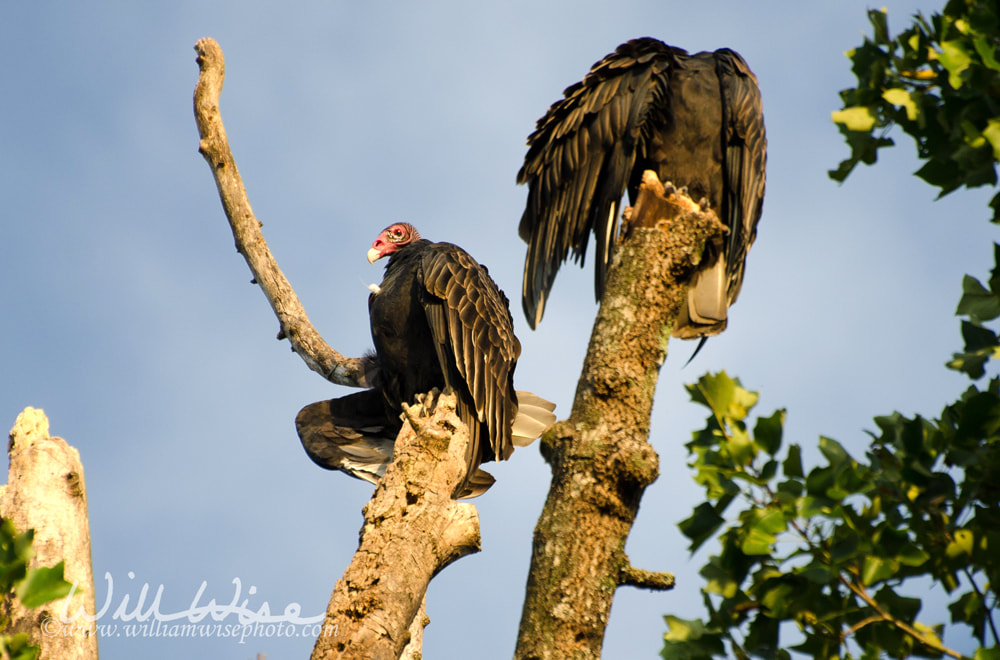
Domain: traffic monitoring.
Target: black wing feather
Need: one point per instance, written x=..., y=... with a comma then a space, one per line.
x=470, y=317
x=579, y=161
x=746, y=160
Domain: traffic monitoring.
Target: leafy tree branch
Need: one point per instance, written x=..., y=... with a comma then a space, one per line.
x=831, y=549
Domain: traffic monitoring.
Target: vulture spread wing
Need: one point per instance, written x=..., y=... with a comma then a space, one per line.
x=438, y=321
x=695, y=120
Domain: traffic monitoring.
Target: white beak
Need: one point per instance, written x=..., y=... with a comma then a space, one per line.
x=373, y=255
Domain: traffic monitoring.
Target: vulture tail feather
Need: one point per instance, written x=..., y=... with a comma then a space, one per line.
x=534, y=416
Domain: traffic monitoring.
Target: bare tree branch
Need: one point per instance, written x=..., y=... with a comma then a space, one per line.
x=295, y=324
x=601, y=458
x=413, y=528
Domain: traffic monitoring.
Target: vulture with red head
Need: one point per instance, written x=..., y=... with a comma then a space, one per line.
x=438, y=321
x=694, y=120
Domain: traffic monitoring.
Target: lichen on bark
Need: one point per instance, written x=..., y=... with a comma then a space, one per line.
x=601, y=459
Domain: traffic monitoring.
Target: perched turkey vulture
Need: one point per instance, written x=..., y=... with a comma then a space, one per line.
x=695, y=120
x=438, y=321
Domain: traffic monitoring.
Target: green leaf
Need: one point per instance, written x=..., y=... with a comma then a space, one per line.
x=690, y=640
x=968, y=609
x=725, y=396
x=767, y=432
x=986, y=49
x=818, y=484
x=18, y=647
x=682, y=630
x=992, y=134
x=719, y=580
x=845, y=548
x=43, y=585
x=944, y=174
x=701, y=525
x=763, y=528
x=961, y=544
x=740, y=448
x=977, y=301
x=714, y=391
x=768, y=472
x=876, y=569
x=987, y=654
x=816, y=572
x=912, y=555
x=930, y=635
x=792, y=467
x=956, y=60
x=880, y=23
x=778, y=597
x=833, y=451
x=897, y=96
x=981, y=345
x=858, y=118
x=901, y=607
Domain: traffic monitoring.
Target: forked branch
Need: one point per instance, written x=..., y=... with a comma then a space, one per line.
x=376, y=609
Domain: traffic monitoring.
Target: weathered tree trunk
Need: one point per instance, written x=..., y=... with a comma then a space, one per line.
x=45, y=492
x=413, y=527
x=600, y=457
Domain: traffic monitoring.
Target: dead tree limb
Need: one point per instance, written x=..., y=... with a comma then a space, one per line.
x=413, y=528
x=45, y=492
x=601, y=459
x=214, y=146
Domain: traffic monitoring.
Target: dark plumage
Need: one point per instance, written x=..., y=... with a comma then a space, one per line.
x=437, y=321
x=695, y=120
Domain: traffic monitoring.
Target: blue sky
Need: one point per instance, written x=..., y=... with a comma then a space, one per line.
x=130, y=319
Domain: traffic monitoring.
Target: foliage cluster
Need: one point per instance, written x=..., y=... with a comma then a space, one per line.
x=840, y=549
x=939, y=81
x=829, y=548
x=33, y=587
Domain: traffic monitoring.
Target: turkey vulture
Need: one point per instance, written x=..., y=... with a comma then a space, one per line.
x=695, y=120
x=438, y=321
